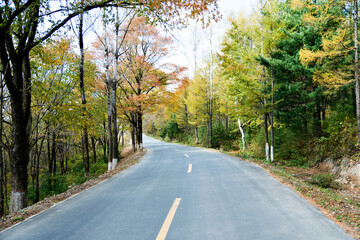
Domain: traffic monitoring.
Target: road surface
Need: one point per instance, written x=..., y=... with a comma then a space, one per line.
x=180, y=192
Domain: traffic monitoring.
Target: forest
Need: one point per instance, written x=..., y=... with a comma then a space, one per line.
x=283, y=87
x=65, y=108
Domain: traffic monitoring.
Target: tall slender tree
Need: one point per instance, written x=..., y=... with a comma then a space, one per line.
x=85, y=137
x=356, y=68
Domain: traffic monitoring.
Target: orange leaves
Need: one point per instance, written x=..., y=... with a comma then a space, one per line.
x=143, y=81
x=178, y=12
x=55, y=52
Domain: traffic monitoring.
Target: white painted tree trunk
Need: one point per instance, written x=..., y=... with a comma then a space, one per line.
x=109, y=166
x=267, y=151
x=242, y=134
x=114, y=163
x=17, y=201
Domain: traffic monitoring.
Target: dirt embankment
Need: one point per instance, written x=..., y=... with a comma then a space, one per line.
x=129, y=158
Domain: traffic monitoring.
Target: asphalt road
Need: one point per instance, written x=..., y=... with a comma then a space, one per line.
x=217, y=197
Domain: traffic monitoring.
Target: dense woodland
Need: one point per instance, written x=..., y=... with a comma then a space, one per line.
x=65, y=107
x=284, y=87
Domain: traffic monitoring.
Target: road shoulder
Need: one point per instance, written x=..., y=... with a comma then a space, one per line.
x=129, y=159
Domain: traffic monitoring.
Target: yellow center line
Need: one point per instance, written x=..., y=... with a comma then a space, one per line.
x=186, y=155
x=166, y=225
x=190, y=168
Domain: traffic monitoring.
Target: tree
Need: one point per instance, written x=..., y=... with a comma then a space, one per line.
x=243, y=74
x=109, y=48
x=197, y=103
x=141, y=73
x=20, y=32
x=271, y=31
x=330, y=57
x=85, y=137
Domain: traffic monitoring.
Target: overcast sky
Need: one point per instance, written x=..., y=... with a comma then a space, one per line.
x=183, y=53
x=227, y=6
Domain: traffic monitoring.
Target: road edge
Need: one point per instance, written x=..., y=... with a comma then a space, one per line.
x=283, y=177
x=29, y=212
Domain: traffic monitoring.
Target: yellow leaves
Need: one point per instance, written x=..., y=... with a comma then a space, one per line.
x=315, y=13
x=295, y=4
x=334, y=49
x=333, y=45
x=56, y=52
x=337, y=42
x=330, y=79
x=308, y=57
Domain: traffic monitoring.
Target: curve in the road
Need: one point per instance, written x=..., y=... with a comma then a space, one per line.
x=221, y=198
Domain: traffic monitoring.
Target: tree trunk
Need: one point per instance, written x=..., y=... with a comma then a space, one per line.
x=226, y=123
x=139, y=131
x=86, y=152
x=93, y=143
x=133, y=141
x=265, y=118
x=211, y=89
x=50, y=162
x=271, y=136
x=62, y=166
x=21, y=120
x=83, y=98
x=356, y=70
x=210, y=119
x=114, y=85
x=242, y=134
x=272, y=116
x=38, y=154
x=53, y=153
x=37, y=183
x=196, y=135
x=4, y=168
x=266, y=136
x=109, y=96
x=115, y=149
x=122, y=138
x=104, y=140
x=317, y=121
x=2, y=209
x=110, y=140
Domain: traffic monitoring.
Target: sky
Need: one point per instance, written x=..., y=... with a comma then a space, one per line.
x=183, y=53
x=228, y=6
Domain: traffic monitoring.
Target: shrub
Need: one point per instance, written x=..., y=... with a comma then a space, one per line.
x=324, y=180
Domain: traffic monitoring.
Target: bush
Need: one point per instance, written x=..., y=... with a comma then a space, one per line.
x=324, y=180
x=49, y=186
x=98, y=168
x=256, y=145
x=340, y=139
x=172, y=130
